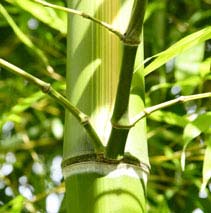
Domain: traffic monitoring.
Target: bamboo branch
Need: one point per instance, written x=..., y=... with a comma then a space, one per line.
x=46, y=88
x=147, y=111
x=83, y=15
x=181, y=99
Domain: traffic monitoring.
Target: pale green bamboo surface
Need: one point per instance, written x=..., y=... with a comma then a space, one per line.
x=89, y=42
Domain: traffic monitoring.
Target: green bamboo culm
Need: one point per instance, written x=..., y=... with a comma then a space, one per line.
x=93, y=182
x=120, y=117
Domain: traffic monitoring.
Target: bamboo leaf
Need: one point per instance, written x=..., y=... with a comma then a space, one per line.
x=188, y=63
x=190, y=132
x=179, y=47
x=193, y=130
x=55, y=20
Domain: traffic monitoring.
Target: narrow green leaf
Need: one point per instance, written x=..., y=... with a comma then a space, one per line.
x=179, y=47
x=192, y=130
x=188, y=63
x=200, y=124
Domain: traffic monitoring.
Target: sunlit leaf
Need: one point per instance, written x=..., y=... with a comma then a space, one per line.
x=203, y=122
x=190, y=132
x=193, y=130
x=179, y=47
x=188, y=63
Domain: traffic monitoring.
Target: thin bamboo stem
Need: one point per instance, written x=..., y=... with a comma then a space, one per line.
x=149, y=110
x=118, y=137
x=134, y=29
x=46, y=88
x=83, y=15
x=181, y=99
x=115, y=147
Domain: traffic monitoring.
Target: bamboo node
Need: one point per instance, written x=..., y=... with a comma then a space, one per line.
x=84, y=119
x=121, y=126
x=46, y=88
x=100, y=158
x=129, y=41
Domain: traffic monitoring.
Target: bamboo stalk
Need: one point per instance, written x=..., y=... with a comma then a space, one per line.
x=92, y=181
x=120, y=115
